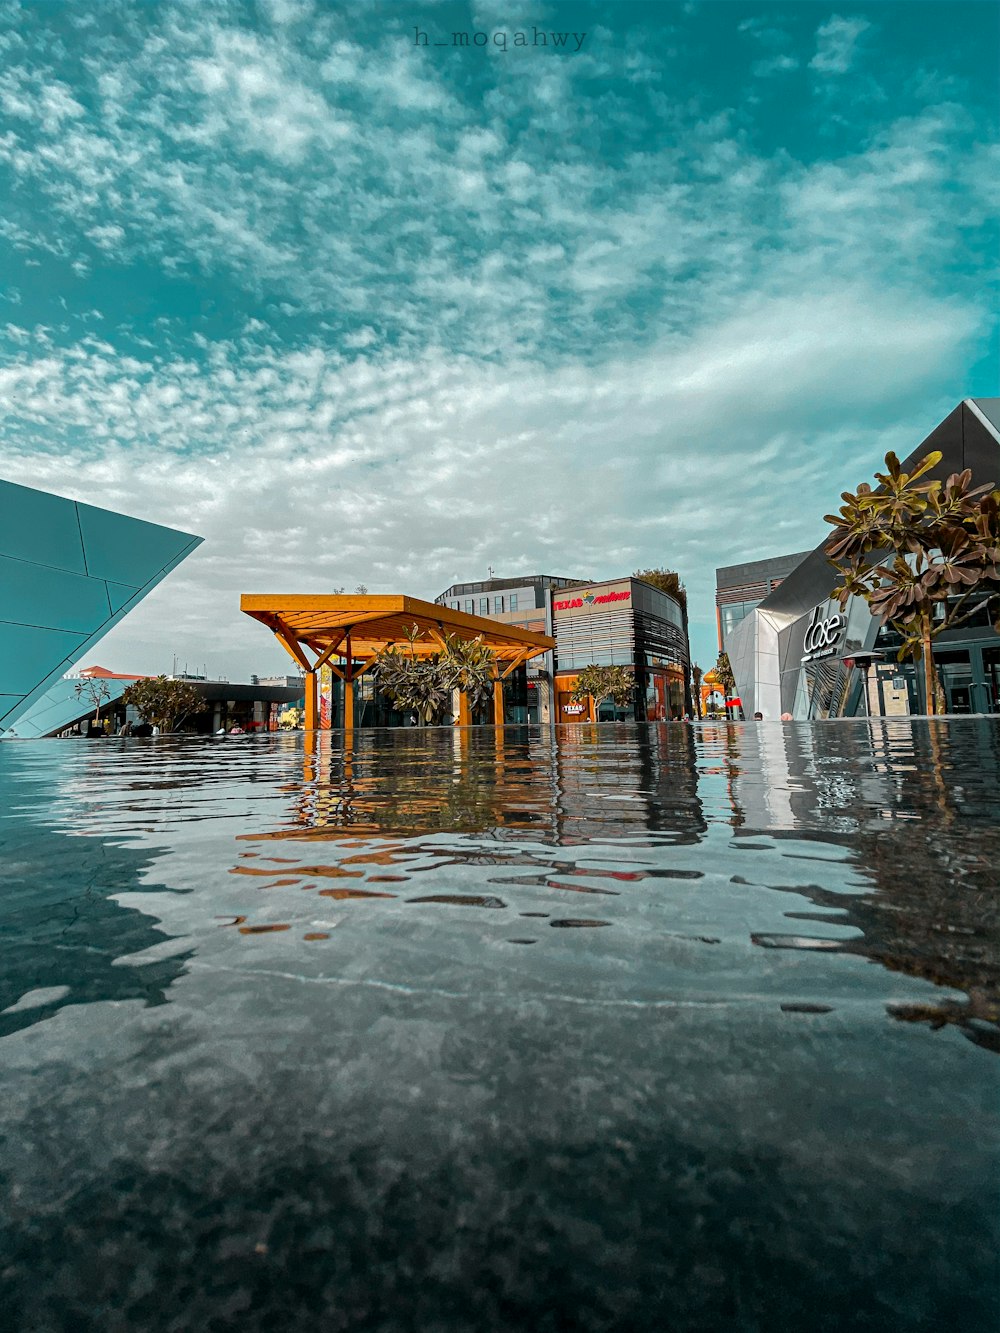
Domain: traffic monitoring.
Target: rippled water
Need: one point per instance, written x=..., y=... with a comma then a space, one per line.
x=658, y=1028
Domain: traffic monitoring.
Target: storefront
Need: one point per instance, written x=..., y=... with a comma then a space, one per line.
x=796, y=653
x=622, y=622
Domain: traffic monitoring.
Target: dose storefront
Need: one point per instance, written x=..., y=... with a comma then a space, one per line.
x=797, y=651
x=622, y=622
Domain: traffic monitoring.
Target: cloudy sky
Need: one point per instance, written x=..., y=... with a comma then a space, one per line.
x=358, y=309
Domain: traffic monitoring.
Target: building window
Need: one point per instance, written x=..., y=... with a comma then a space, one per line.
x=497, y=605
x=512, y=603
x=470, y=606
x=484, y=606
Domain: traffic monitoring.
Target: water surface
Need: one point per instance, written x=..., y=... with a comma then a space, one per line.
x=653, y=1028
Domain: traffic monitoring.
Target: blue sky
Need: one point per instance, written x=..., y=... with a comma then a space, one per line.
x=357, y=309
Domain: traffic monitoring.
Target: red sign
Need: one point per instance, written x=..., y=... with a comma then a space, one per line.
x=591, y=600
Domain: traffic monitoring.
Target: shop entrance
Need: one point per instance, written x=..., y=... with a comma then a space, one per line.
x=955, y=671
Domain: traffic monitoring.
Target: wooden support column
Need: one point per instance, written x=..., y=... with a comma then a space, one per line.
x=311, y=701
x=498, y=701
x=349, y=686
x=464, y=711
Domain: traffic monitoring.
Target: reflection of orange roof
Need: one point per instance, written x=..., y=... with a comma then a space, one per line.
x=102, y=673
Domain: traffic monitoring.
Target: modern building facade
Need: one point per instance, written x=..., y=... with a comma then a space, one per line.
x=69, y=571
x=792, y=654
x=740, y=589
x=622, y=622
x=525, y=601
x=618, y=622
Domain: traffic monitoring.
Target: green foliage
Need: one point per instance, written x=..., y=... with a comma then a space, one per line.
x=95, y=690
x=924, y=555
x=667, y=580
x=162, y=702
x=290, y=718
x=616, y=683
x=424, y=684
x=724, y=675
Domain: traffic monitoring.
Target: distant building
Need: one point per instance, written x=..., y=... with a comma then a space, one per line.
x=739, y=589
x=622, y=622
x=62, y=710
x=525, y=601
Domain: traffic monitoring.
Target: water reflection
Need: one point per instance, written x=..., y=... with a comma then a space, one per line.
x=450, y=1029
x=916, y=806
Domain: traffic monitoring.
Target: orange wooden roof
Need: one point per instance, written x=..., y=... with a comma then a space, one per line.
x=322, y=623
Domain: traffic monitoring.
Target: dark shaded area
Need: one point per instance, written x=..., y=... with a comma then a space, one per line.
x=639, y=1233
x=60, y=927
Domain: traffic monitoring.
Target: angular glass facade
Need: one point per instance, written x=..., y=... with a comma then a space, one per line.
x=68, y=572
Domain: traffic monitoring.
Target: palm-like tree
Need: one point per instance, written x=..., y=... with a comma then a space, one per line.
x=696, y=676
x=918, y=551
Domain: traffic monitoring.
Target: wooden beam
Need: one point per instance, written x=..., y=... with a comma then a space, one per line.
x=328, y=652
x=291, y=646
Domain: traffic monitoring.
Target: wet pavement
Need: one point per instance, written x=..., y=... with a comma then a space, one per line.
x=654, y=1028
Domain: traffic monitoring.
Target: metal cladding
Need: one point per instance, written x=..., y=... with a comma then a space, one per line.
x=68, y=572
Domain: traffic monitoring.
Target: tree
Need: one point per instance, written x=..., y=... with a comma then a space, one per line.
x=616, y=683
x=924, y=555
x=162, y=702
x=471, y=667
x=95, y=691
x=724, y=675
x=425, y=684
x=696, y=676
x=667, y=580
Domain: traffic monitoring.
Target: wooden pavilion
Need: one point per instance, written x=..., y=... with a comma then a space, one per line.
x=315, y=629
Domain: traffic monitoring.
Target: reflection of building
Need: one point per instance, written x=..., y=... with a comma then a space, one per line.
x=739, y=589
x=68, y=572
x=620, y=622
x=788, y=655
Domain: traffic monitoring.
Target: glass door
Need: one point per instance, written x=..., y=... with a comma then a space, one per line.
x=991, y=675
x=955, y=669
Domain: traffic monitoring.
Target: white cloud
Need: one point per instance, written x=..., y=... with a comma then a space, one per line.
x=305, y=471
x=836, y=44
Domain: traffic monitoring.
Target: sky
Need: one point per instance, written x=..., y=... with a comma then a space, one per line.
x=358, y=307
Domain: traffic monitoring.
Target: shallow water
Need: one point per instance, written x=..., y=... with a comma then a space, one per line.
x=653, y=1028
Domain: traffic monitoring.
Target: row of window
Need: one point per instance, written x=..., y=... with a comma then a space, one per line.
x=499, y=604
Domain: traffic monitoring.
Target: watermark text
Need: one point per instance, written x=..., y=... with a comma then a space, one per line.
x=504, y=40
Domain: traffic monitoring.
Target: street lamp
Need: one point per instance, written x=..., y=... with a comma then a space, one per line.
x=863, y=661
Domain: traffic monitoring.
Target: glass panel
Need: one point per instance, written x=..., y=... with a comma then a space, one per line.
x=991, y=670
x=41, y=527
x=127, y=550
